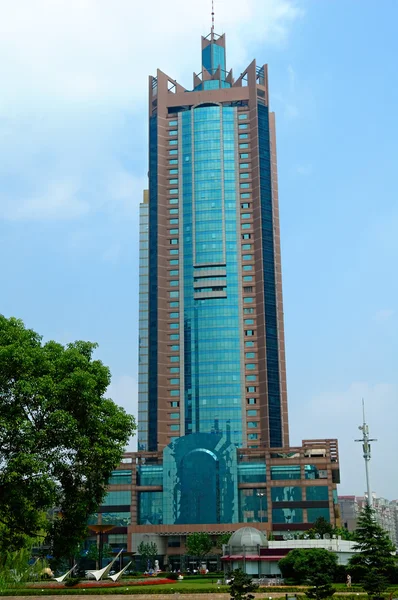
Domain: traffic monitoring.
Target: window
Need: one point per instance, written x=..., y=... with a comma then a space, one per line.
x=286, y=494
x=173, y=294
x=252, y=413
x=245, y=195
x=173, y=182
x=286, y=472
x=173, y=132
x=246, y=215
x=252, y=472
x=174, y=415
x=246, y=236
x=251, y=377
x=248, y=289
x=248, y=300
x=252, y=436
x=173, y=123
x=244, y=155
x=247, y=257
x=243, y=126
x=120, y=478
x=174, y=325
x=251, y=401
x=174, y=369
x=173, y=191
x=173, y=211
x=173, y=221
x=173, y=201
x=174, y=315
x=248, y=311
x=251, y=389
x=150, y=475
x=283, y=515
x=249, y=344
x=244, y=165
x=117, y=498
x=173, y=151
x=174, y=262
x=174, y=404
x=243, y=146
x=317, y=492
x=252, y=424
x=246, y=226
x=173, y=172
x=173, y=161
x=248, y=267
x=243, y=136
x=174, y=242
x=249, y=321
x=315, y=513
x=242, y=116
x=174, y=273
x=174, y=427
x=174, y=359
x=250, y=355
x=245, y=186
x=174, y=337
x=173, y=142
x=249, y=332
x=244, y=175
x=174, y=392
x=173, y=231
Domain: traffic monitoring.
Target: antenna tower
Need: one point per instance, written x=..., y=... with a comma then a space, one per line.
x=366, y=451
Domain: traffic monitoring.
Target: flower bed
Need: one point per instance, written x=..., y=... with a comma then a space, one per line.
x=101, y=584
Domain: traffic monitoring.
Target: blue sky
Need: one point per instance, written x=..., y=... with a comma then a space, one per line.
x=73, y=163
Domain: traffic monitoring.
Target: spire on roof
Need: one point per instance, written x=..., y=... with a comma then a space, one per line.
x=212, y=19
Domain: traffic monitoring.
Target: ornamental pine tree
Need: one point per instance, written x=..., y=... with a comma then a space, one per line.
x=375, y=563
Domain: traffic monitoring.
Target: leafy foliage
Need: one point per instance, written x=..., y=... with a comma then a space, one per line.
x=223, y=539
x=241, y=586
x=374, y=565
x=199, y=544
x=148, y=550
x=60, y=438
x=304, y=565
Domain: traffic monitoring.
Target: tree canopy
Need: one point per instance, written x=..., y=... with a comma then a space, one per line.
x=60, y=438
x=304, y=565
x=199, y=544
x=374, y=564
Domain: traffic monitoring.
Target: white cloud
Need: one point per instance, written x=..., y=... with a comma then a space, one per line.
x=337, y=414
x=100, y=51
x=124, y=391
x=384, y=315
x=74, y=79
x=58, y=201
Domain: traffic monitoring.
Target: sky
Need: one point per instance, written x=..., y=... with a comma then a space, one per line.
x=73, y=164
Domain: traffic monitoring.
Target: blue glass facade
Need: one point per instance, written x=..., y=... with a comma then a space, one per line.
x=152, y=286
x=268, y=251
x=211, y=289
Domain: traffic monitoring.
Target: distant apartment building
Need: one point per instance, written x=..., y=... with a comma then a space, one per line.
x=386, y=513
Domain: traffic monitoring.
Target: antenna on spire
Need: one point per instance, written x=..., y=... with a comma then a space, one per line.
x=212, y=18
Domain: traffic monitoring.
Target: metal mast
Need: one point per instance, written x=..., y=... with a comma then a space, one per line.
x=366, y=451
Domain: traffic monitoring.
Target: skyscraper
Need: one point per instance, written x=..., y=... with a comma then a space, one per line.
x=214, y=362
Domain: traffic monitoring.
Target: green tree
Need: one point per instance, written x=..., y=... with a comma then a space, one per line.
x=303, y=565
x=320, y=586
x=374, y=564
x=60, y=438
x=148, y=551
x=93, y=552
x=241, y=586
x=199, y=544
x=223, y=539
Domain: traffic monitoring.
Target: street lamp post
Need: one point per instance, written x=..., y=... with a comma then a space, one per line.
x=261, y=496
x=100, y=529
